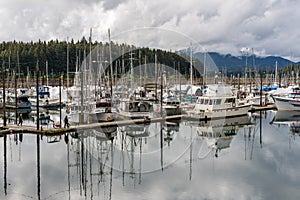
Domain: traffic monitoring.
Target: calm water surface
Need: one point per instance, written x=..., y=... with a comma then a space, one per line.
x=167, y=160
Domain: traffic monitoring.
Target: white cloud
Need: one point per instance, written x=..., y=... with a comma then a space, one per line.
x=224, y=26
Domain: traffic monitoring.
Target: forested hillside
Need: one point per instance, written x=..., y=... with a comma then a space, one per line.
x=23, y=56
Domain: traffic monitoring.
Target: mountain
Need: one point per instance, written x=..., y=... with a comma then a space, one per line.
x=236, y=64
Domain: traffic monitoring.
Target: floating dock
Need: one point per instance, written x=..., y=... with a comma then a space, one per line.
x=12, y=128
x=9, y=129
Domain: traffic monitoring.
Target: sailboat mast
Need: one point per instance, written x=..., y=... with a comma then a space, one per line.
x=67, y=65
x=155, y=73
x=276, y=66
x=131, y=70
x=110, y=61
x=140, y=67
x=191, y=69
x=18, y=62
x=191, y=64
x=204, y=69
x=47, y=80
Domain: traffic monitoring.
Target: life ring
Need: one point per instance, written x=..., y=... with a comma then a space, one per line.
x=108, y=118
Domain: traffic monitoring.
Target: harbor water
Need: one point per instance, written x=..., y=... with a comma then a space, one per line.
x=250, y=157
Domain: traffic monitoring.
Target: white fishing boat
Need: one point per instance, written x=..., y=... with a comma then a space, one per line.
x=48, y=97
x=218, y=102
x=171, y=105
x=104, y=111
x=134, y=109
x=77, y=113
x=91, y=111
x=287, y=103
x=291, y=101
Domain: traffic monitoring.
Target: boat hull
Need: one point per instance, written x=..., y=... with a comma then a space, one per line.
x=172, y=110
x=105, y=116
x=285, y=103
x=220, y=113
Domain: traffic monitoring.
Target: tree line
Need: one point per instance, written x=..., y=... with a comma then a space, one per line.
x=23, y=57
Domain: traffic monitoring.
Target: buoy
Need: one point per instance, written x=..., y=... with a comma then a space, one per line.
x=10, y=131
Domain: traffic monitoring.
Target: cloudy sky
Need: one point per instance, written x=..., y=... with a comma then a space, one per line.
x=269, y=27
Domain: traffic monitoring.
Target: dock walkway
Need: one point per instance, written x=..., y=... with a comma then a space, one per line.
x=12, y=128
x=9, y=129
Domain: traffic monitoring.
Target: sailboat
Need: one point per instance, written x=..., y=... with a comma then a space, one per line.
x=135, y=105
x=90, y=99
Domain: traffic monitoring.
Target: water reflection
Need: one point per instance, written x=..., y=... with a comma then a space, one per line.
x=218, y=134
x=155, y=161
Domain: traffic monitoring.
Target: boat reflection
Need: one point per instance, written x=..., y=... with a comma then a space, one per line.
x=282, y=117
x=288, y=118
x=218, y=134
x=125, y=162
x=96, y=158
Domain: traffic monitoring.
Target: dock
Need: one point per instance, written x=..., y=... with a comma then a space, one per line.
x=12, y=128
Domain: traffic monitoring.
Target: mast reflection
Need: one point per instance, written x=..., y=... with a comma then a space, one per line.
x=132, y=138
x=38, y=166
x=5, y=164
x=92, y=152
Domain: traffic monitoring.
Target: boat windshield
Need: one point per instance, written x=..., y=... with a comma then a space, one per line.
x=218, y=101
x=229, y=100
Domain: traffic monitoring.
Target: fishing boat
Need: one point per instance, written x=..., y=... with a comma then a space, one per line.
x=23, y=104
x=287, y=103
x=290, y=101
x=47, y=99
x=171, y=105
x=104, y=111
x=134, y=109
x=218, y=102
